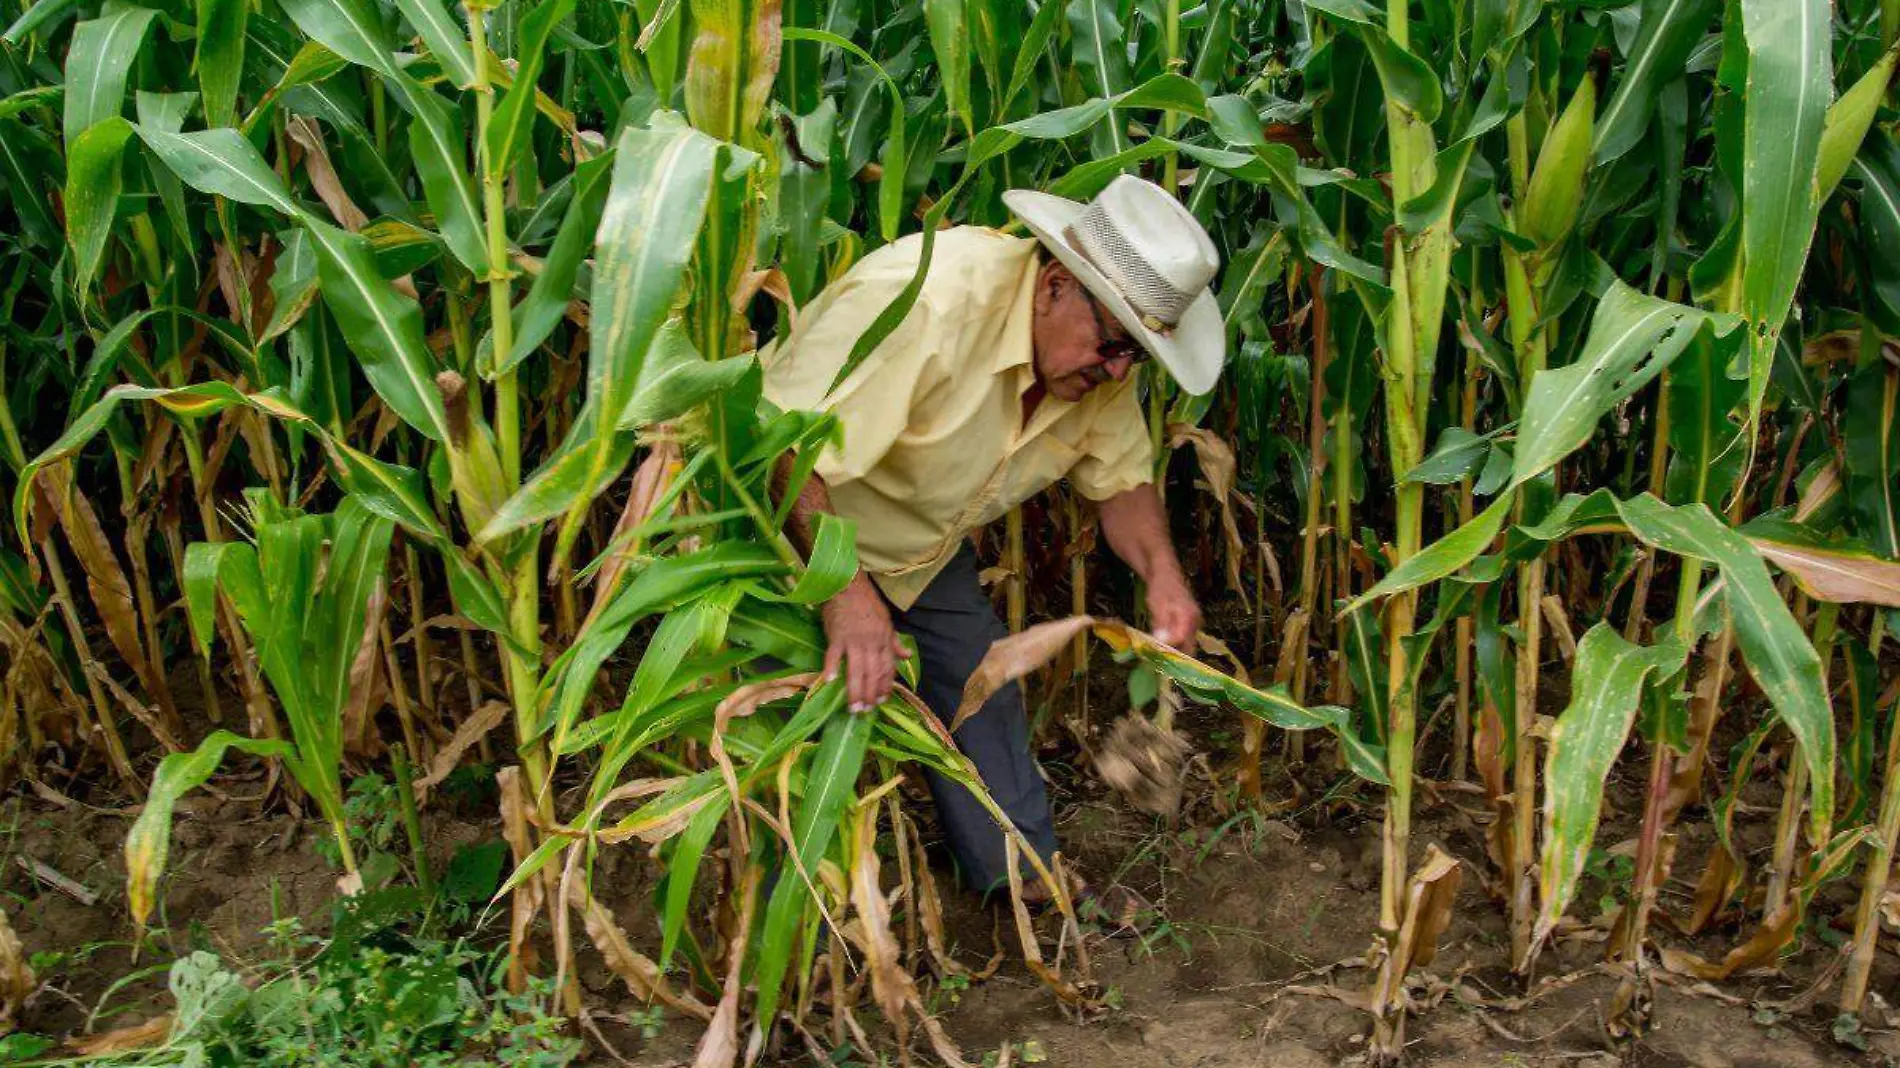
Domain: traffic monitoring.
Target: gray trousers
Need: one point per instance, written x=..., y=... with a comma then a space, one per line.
x=953, y=625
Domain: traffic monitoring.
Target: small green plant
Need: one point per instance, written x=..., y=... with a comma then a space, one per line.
x=375, y=993
x=373, y=820
x=1611, y=872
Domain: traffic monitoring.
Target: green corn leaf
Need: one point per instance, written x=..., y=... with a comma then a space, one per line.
x=780, y=631
x=542, y=309
x=1870, y=434
x=203, y=561
x=804, y=194
x=949, y=30
x=222, y=163
x=895, y=159
x=829, y=786
x=1775, y=648
x=1633, y=338
x=447, y=40
x=93, y=182
x=25, y=178
x=1100, y=52
x=1789, y=89
x=575, y=474
x=514, y=115
x=668, y=647
x=385, y=326
x=1877, y=169
x=662, y=181
x=196, y=401
x=97, y=62
x=675, y=378
x=220, y=56
x=682, y=869
x=293, y=285
x=1458, y=454
x=833, y=563
x=1034, y=45
x=37, y=14
x=1606, y=686
x=351, y=28
x=149, y=840
x=1442, y=557
x=1703, y=458
x=392, y=491
x=437, y=145
x=1667, y=31
x=663, y=584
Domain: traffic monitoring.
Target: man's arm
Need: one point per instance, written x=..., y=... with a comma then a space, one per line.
x=859, y=636
x=1137, y=529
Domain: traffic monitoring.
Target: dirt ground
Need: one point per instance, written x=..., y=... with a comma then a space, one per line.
x=1259, y=911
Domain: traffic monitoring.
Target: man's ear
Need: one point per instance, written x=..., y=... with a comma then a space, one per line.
x=1054, y=277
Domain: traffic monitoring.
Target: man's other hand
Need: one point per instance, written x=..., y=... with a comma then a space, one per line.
x=1174, y=613
x=860, y=640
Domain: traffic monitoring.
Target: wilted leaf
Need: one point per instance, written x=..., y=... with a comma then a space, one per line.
x=1837, y=575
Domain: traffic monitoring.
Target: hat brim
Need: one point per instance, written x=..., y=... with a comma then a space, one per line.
x=1192, y=351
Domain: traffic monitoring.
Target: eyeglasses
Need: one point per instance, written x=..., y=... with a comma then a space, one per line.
x=1113, y=348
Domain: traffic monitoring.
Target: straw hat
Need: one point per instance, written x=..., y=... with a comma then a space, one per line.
x=1147, y=260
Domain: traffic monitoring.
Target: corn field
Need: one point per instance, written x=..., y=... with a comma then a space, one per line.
x=380, y=389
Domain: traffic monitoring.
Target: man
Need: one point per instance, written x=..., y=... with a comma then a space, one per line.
x=1014, y=369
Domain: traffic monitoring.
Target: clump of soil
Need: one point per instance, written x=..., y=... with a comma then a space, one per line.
x=1144, y=763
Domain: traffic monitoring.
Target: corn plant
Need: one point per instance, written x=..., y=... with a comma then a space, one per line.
x=303, y=587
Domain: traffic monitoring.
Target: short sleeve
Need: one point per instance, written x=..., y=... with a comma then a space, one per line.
x=1117, y=455
x=873, y=404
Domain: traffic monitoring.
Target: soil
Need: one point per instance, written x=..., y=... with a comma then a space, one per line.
x=1260, y=911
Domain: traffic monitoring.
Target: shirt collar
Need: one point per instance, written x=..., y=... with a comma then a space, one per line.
x=1022, y=309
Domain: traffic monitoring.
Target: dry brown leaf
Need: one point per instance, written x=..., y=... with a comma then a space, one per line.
x=17, y=980
x=1012, y=658
x=650, y=481
x=1761, y=949
x=1429, y=896
x=1833, y=575
x=1054, y=877
x=738, y=704
x=137, y=709
x=1560, y=625
x=1712, y=890
x=525, y=902
x=323, y=176
x=1823, y=488
x=485, y=719
x=362, y=677
x=719, y=1046
x=111, y=591
x=634, y=968
x=889, y=982
x=151, y=1033
x=1218, y=464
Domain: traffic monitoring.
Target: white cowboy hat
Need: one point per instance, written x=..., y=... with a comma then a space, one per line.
x=1147, y=260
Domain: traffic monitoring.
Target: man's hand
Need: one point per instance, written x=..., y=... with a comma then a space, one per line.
x=1174, y=613
x=1137, y=529
x=860, y=640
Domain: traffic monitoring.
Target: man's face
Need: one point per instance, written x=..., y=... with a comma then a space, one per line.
x=1078, y=344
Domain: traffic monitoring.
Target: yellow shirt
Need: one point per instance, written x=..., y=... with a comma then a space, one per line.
x=934, y=440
